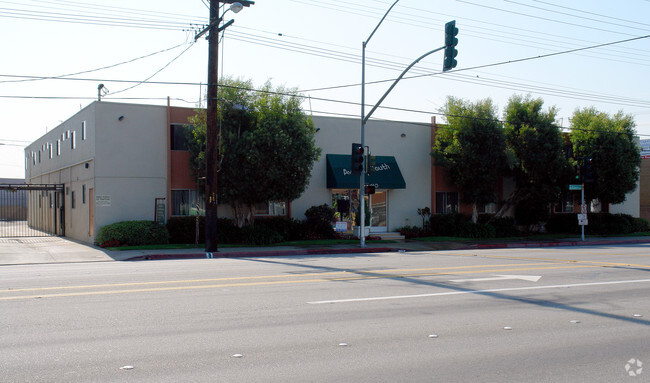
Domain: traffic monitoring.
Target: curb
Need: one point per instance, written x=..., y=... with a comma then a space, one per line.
x=278, y=253
x=559, y=244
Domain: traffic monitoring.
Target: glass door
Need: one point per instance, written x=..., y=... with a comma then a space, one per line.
x=379, y=210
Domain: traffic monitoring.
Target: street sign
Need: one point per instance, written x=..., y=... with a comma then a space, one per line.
x=575, y=187
x=582, y=220
x=583, y=208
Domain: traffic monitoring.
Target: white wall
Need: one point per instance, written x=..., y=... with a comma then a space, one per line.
x=336, y=136
x=631, y=205
x=131, y=161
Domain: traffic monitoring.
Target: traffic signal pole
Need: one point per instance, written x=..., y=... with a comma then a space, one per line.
x=450, y=44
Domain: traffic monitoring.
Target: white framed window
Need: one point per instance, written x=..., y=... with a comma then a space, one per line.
x=187, y=202
x=273, y=208
x=446, y=202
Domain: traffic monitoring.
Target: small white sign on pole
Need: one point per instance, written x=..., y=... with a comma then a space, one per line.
x=582, y=220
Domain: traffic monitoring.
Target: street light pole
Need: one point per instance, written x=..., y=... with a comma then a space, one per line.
x=362, y=177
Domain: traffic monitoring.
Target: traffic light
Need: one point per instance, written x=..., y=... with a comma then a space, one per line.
x=578, y=175
x=450, y=46
x=587, y=171
x=357, y=165
x=370, y=189
x=370, y=162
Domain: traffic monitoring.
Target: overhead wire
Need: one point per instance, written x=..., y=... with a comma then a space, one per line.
x=97, y=69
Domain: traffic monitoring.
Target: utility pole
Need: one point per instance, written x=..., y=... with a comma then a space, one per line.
x=211, y=140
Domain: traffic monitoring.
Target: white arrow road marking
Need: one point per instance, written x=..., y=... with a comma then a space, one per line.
x=530, y=278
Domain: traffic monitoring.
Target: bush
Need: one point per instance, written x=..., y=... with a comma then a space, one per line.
x=321, y=213
x=476, y=230
x=563, y=224
x=289, y=228
x=183, y=229
x=599, y=224
x=410, y=231
x=260, y=235
x=132, y=233
x=459, y=225
x=504, y=227
x=447, y=225
x=640, y=225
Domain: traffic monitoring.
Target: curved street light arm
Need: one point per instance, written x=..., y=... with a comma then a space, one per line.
x=380, y=21
x=365, y=119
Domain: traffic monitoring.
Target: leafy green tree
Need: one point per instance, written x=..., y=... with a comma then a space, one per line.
x=472, y=150
x=610, y=142
x=266, y=146
x=539, y=165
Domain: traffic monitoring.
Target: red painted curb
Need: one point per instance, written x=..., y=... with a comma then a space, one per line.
x=279, y=253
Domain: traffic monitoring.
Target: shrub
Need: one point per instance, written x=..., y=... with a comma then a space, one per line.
x=599, y=224
x=640, y=225
x=183, y=229
x=563, y=224
x=321, y=213
x=476, y=230
x=447, y=225
x=260, y=235
x=412, y=232
x=289, y=228
x=504, y=227
x=132, y=233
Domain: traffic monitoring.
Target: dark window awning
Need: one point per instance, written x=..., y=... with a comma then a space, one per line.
x=386, y=175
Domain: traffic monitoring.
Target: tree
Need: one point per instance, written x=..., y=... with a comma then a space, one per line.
x=610, y=143
x=472, y=150
x=539, y=165
x=266, y=146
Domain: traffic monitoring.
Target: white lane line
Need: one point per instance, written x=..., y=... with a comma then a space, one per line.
x=477, y=291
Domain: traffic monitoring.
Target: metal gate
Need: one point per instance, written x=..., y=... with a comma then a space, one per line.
x=29, y=210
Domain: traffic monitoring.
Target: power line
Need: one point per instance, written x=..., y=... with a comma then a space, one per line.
x=96, y=69
x=156, y=72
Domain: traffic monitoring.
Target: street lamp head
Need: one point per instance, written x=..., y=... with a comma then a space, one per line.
x=236, y=7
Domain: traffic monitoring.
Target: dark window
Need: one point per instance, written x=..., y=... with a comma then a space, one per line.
x=187, y=202
x=83, y=194
x=178, y=140
x=566, y=204
x=72, y=200
x=446, y=202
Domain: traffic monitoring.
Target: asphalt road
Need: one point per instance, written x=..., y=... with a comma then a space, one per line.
x=509, y=315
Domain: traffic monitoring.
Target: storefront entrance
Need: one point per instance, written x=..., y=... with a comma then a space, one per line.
x=346, y=204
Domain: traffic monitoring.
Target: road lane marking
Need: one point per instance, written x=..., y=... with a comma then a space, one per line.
x=283, y=276
x=359, y=276
x=476, y=292
x=530, y=278
x=602, y=263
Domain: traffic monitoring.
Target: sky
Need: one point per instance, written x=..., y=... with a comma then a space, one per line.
x=572, y=54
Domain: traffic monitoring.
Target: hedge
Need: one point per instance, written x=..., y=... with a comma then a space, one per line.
x=132, y=233
x=599, y=224
x=264, y=231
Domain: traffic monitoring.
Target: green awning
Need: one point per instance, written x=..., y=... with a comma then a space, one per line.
x=386, y=175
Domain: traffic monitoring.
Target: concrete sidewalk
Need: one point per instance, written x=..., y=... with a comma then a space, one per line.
x=40, y=250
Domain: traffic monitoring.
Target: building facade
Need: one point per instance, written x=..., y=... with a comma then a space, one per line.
x=120, y=162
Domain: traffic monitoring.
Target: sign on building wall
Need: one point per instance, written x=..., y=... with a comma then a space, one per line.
x=645, y=148
x=103, y=200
